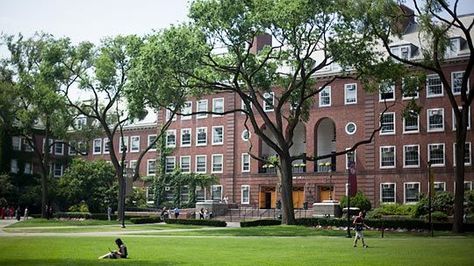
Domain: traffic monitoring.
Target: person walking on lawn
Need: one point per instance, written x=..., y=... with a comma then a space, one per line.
x=359, y=228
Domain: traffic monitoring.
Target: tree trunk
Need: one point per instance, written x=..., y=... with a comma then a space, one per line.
x=459, y=170
x=286, y=179
x=121, y=196
x=46, y=172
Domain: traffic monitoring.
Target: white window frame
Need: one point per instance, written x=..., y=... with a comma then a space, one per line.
x=14, y=166
x=394, y=157
x=132, y=165
x=16, y=143
x=405, y=188
x=28, y=168
x=430, y=95
x=199, y=109
x=149, y=171
x=245, y=165
x=409, y=97
x=216, y=108
x=243, y=106
x=215, y=188
x=197, y=164
x=245, y=132
x=170, y=159
x=243, y=189
x=60, y=144
x=183, y=170
x=61, y=169
x=453, y=74
x=347, y=93
x=468, y=144
x=168, y=114
x=406, y=131
x=322, y=97
x=394, y=193
x=214, y=165
x=390, y=88
x=134, y=139
x=468, y=118
x=105, y=146
x=186, y=110
x=125, y=141
x=347, y=158
x=170, y=132
x=183, y=130
x=266, y=96
x=428, y=124
x=470, y=185
x=25, y=145
x=391, y=132
x=444, y=155
x=438, y=183
x=213, y=136
x=97, y=143
x=150, y=141
x=404, y=156
x=197, y=136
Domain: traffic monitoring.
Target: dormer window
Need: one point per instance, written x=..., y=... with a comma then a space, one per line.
x=404, y=51
x=454, y=47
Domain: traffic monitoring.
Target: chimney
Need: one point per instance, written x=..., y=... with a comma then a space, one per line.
x=404, y=18
x=260, y=41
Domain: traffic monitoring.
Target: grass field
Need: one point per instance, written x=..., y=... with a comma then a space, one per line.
x=276, y=245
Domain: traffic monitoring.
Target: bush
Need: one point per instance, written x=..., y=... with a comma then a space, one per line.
x=359, y=200
x=442, y=202
x=73, y=215
x=391, y=209
x=81, y=207
x=260, y=223
x=469, y=199
x=215, y=223
x=437, y=216
x=146, y=220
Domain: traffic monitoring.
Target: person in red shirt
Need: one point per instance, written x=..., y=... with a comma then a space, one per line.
x=359, y=226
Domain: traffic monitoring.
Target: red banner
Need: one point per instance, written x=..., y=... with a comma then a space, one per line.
x=352, y=179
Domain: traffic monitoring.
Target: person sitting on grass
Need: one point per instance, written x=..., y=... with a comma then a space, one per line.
x=117, y=254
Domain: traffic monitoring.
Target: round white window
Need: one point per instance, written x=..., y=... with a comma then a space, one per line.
x=245, y=135
x=351, y=128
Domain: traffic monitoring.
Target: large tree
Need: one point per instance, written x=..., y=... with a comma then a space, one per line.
x=215, y=53
x=437, y=22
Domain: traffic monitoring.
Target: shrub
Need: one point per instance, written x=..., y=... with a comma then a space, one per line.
x=215, y=223
x=391, y=209
x=442, y=202
x=146, y=220
x=359, y=200
x=469, y=199
x=81, y=207
x=73, y=215
x=260, y=223
x=437, y=216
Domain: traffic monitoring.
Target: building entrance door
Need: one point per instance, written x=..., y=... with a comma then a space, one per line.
x=268, y=200
x=325, y=193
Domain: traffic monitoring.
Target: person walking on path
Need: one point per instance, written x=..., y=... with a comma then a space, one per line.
x=176, y=212
x=359, y=228
x=18, y=213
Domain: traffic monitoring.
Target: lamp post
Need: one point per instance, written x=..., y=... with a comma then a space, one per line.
x=349, y=193
x=430, y=193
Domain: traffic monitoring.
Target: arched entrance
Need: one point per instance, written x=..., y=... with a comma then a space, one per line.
x=325, y=144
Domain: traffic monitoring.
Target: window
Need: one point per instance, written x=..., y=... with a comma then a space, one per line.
x=268, y=101
x=28, y=169
x=467, y=185
x=467, y=154
x=456, y=81
x=13, y=166
x=170, y=164
x=244, y=106
x=201, y=107
x=468, y=118
x=185, y=137
x=169, y=112
x=453, y=48
x=59, y=148
x=171, y=138
x=185, y=164
x=409, y=88
x=216, y=192
x=133, y=165
x=350, y=93
x=439, y=186
x=16, y=143
x=26, y=145
x=49, y=146
x=105, y=142
x=201, y=136
x=435, y=120
x=97, y=146
x=245, y=135
x=135, y=143
x=387, y=192
x=217, y=135
x=412, y=192
x=217, y=163
x=186, y=110
x=387, y=91
x=436, y=154
x=245, y=194
x=388, y=124
x=325, y=97
x=403, y=52
x=217, y=106
x=151, y=167
x=350, y=157
x=411, y=123
x=201, y=166
x=245, y=163
x=58, y=170
x=387, y=157
x=434, y=87
x=351, y=128
x=150, y=195
x=72, y=148
x=411, y=156
x=123, y=144
x=152, y=138
x=80, y=122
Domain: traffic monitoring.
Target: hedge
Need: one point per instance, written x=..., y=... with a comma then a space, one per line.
x=146, y=220
x=260, y=223
x=215, y=223
x=87, y=215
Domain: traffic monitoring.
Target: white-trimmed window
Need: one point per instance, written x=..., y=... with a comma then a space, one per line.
x=135, y=143
x=435, y=120
x=105, y=143
x=202, y=106
x=186, y=110
x=201, y=164
x=217, y=135
x=411, y=192
x=388, y=192
x=411, y=123
x=409, y=93
x=59, y=148
x=403, y=51
x=152, y=138
x=185, y=164
x=350, y=157
x=467, y=154
x=245, y=135
x=72, y=148
x=411, y=156
x=26, y=145
x=50, y=145
x=80, y=122
x=168, y=114
x=97, y=146
x=28, y=168
x=268, y=101
x=150, y=195
x=151, y=167
x=456, y=81
x=186, y=137
x=434, y=86
x=387, y=157
x=468, y=118
x=217, y=106
x=436, y=154
x=58, y=169
x=123, y=144
x=133, y=165
x=244, y=106
x=201, y=136
x=439, y=186
x=325, y=97
x=388, y=124
x=467, y=185
x=245, y=163
x=170, y=164
x=350, y=93
x=387, y=92
x=216, y=192
x=351, y=128
x=14, y=166
x=171, y=138
x=217, y=163
x=16, y=143
x=245, y=194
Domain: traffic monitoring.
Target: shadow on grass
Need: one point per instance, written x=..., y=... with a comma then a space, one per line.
x=129, y=261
